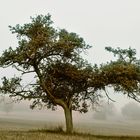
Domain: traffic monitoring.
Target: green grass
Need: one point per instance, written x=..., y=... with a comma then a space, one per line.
x=56, y=135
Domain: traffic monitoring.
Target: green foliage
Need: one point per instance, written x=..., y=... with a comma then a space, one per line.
x=60, y=72
x=53, y=56
x=124, y=73
x=127, y=55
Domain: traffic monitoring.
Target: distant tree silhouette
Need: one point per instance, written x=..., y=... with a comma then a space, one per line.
x=131, y=111
x=104, y=111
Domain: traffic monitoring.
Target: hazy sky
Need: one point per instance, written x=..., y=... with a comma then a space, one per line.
x=101, y=23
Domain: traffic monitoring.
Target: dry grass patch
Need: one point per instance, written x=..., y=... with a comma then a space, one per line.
x=56, y=135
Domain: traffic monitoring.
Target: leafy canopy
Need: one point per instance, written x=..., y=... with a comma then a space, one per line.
x=61, y=76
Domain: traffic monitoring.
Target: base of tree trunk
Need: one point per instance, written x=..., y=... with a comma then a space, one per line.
x=69, y=120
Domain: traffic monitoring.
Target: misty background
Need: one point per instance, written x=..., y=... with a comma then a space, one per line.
x=105, y=111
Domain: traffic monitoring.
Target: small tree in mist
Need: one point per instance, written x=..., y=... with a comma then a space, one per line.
x=1, y=101
x=61, y=76
x=105, y=111
x=6, y=104
x=131, y=111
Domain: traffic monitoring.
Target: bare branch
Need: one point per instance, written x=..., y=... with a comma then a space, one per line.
x=133, y=96
x=21, y=70
x=105, y=90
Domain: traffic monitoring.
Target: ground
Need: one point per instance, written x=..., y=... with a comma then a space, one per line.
x=20, y=129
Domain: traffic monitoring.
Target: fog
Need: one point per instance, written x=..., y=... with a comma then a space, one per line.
x=105, y=111
x=106, y=119
x=21, y=110
x=131, y=111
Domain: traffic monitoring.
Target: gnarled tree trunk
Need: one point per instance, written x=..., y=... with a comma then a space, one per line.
x=68, y=119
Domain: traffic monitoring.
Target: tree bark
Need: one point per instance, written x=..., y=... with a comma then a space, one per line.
x=69, y=120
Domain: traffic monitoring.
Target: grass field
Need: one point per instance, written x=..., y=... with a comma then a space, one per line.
x=19, y=129
x=38, y=135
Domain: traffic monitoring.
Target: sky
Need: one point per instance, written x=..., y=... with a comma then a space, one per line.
x=101, y=23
